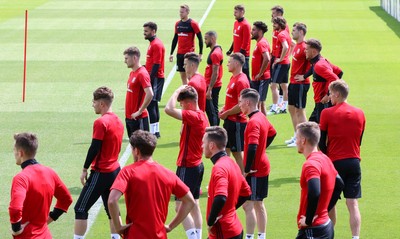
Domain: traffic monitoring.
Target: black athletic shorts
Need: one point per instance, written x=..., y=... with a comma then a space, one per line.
x=280, y=73
x=324, y=231
x=98, y=184
x=261, y=87
x=192, y=177
x=316, y=114
x=235, y=132
x=179, y=62
x=259, y=187
x=157, y=85
x=350, y=171
x=297, y=94
x=133, y=125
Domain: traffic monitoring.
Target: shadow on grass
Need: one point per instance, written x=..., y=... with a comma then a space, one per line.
x=390, y=21
x=81, y=143
x=280, y=146
x=168, y=145
x=276, y=183
x=75, y=190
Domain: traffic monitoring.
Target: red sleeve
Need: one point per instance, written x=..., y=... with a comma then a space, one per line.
x=246, y=37
x=244, y=188
x=271, y=130
x=263, y=46
x=189, y=117
x=216, y=58
x=254, y=133
x=176, y=27
x=326, y=72
x=323, y=124
x=282, y=39
x=180, y=189
x=157, y=54
x=18, y=193
x=220, y=182
x=195, y=26
x=240, y=85
x=144, y=79
x=99, y=129
x=121, y=182
x=62, y=194
x=311, y=171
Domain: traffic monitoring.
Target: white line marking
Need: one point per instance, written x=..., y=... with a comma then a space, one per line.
x=94, y=211
x=173, y=70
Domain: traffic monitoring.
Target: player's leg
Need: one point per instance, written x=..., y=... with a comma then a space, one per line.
x=263, y=91
x=284, y=87
x=108, y=179
x=262, y=218
x=234, y=144
x=179, y=67
x=332, y=215
x=197, y=174
x=251, y=220
x=215, y=98
x=274, y=89
x=355, y=216
x=246, y=68
x=302, y=102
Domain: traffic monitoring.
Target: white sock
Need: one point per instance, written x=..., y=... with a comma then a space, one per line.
x=261, y=235
x=273, y=107
x=191, y=233
x=78, y=237
x=115, y=236
x=152, y=128
x=280, y=99
x=355, y=237
x=294, y=135
x=157, y=128
x=198, y=233
x=249, y=236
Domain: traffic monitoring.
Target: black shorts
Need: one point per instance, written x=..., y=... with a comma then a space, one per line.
x=246, y=67
x=157, y=85
x=350, y=171
x=261, y=87
x=324, y=231
x=235, y=132
x=192, y=177
x=316, y=114
x=259, y=187
x=98, y=184
x=179, y=62
x=133, y=125
x=280, y=73
x=297, y=94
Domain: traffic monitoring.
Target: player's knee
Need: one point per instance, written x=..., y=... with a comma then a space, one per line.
x=81, y=215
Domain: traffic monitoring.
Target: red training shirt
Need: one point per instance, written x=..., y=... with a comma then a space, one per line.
x=138, y=80
x=236, y=85
x=147, y=187
x=300, y=65
x=317, y=165
x=257, y=131
x=186, y=32
x=344, y=125
x=241, y=36
x=155, y=55
x=215, y=57
x=199, y=83
x=275, y=41
x=110, y=130
x=282, y=37
x=32, y=192
x=194, y=126
x=262, y=46
x=226, y=180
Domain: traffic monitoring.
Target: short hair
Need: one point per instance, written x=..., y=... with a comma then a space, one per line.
x=217, y=135
x=341, y=87
x=132, y=51
x=151, y=25
x=104, y=93
x=239, y=7
x=144, y=141
x=250, y=94
x=309, y=130
x=238, y=57
x=192, y=57
x=212, y=34
x=300, y=27
x=278, y=8
x=315, y=44
x=185, y=6
x=280, y=21
x=26, y=142
x=188, y=93
x=261, y=26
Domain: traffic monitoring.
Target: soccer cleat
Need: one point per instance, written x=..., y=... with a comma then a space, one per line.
x=291, y=140
x=282, y=111
x=157, y=134
x=292, y=144
x=272, y=112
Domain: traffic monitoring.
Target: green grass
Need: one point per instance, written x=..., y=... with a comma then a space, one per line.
x=76, y=46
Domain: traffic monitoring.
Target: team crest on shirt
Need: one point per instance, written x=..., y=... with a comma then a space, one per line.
x=298, y=51
x=133, y=80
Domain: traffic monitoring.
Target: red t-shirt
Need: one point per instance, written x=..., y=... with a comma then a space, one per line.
x=344, y=125
x=257, y=131
x=194, y=125
x=275, y=41
x=235, y=86
x=226, y=180
x=317, y=165
x=147, y=187
x=138, y=80
x=109, y=129
x=199, y=83
x=32, y=192
x=300, y=65
x=324, y=73
x=282, y=37
x=241, y=36
x=262, y=46
x=215, y=57
x=186, y=32
x=155, y=55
